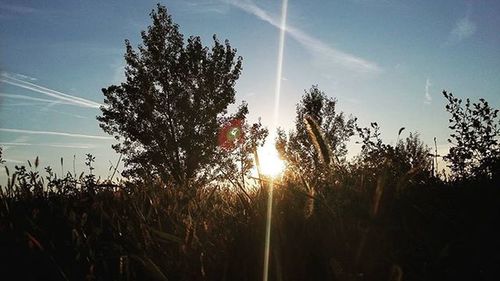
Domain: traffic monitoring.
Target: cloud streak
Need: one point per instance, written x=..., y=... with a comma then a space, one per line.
x=428, y=97
x=209, y=6
x=24, y=77
x=63, y=134
x=16, y=9
x=13, y=161
x=463, y=29
x=23, y=104
x=57, y=145
x=67, y=114
x=22, y=97
x=312, y=44
x=73, y=100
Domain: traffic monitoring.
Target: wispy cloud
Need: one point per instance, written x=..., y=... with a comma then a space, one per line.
x=10, y=11
x=23, y=104
x=22, y=97
x=57, y=145
x=74, y=100
x=428, y=97
x=14, y=161
x=17, y=9
x=68, y=114
x=206, y=6
x=312, y=44
x=463, y=29
x=63, y=134
x=25, y=77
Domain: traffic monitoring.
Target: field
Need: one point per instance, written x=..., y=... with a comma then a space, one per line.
x=355, y=227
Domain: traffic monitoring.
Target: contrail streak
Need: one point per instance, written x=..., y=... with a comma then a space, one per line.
x=78, y=146
x=13, y=161
x=6, y=75
x=63, y=134
x=49, y=92
x=22, y=97
x=23, y=104
x=314, y=45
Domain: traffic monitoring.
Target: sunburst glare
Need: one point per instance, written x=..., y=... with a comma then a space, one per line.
x=270, y=163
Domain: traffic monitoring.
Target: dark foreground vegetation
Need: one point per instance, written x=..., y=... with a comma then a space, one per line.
x=356, y=226
x=189, y=208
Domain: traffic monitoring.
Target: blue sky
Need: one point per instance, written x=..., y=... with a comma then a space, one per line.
x=385, y=61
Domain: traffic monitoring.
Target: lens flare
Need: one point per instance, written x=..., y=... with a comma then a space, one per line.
x=231, y=134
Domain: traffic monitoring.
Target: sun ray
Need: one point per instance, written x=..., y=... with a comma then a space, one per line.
x=279, y=71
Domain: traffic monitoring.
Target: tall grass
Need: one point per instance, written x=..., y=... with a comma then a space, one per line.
x=362, y=228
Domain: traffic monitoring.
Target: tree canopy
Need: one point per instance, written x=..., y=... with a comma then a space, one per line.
x=475, y=138
x=168, y=112
x=320, y=130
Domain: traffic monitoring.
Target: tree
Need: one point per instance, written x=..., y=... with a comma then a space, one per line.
x=168, y=112
x=238, y=143
x=414, y=153
x=320, y=130
x=410, y=156
x=476, y=132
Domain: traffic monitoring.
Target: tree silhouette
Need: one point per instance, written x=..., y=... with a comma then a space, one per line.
x=318, y=127
x=476, y=132
x=408, y=157
x=168, y=111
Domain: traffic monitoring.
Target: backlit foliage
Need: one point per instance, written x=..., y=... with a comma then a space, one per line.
x=168, y=112
x=475, y=138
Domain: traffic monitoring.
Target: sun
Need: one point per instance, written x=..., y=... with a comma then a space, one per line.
x=270, y=163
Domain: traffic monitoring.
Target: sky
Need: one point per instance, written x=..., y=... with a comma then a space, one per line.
x=385, y=61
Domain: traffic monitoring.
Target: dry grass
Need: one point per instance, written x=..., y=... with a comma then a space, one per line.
x=361, y=229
